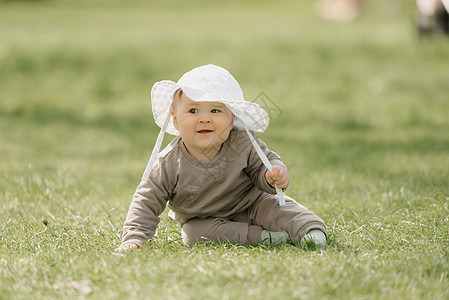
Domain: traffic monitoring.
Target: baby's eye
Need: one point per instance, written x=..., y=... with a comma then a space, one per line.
x=193, y=111
x=215, y=111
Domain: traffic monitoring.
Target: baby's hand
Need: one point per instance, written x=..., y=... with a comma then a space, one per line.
x=127, y=247
x=277, y=176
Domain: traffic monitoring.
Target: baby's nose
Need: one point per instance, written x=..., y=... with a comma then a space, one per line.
x=204, y=118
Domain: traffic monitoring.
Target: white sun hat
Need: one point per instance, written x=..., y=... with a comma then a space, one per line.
x=206, y=83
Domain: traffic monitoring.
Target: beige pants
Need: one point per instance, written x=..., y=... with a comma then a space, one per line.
x=246, y=227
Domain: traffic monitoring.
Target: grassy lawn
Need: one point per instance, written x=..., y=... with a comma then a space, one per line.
x=359, y=113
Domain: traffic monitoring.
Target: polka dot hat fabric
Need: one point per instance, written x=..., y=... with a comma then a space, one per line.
x=161, y=99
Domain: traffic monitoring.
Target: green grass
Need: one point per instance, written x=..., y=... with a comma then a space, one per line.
x=362, y=125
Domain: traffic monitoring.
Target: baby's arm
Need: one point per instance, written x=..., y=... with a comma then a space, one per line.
x=143, y=215
x=277, y=176
x=148, y=203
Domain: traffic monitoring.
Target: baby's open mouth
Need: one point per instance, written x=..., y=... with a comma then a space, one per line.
x=204, y=131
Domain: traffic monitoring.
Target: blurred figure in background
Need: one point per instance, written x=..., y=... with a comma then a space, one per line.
x=432, y=17
x=347, y=10
x=339, y=10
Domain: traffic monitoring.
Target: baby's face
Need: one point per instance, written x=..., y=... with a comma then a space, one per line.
x=203, y=126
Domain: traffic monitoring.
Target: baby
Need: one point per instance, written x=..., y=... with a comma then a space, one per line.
x=217, y=177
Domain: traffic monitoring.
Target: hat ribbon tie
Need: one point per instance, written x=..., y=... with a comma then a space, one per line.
x=268, y=165
x=156, y=148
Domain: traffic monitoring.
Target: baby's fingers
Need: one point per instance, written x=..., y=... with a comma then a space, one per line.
x=280, y=177
x=282, y=182
x=275, y=174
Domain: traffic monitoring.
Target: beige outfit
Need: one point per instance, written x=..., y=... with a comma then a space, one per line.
x=224, y=199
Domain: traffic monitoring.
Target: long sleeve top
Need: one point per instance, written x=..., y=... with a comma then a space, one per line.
x=228, y=184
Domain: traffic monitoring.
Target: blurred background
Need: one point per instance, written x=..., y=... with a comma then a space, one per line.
x=351, y=82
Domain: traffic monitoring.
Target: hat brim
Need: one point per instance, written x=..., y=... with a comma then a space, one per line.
x=248, y=114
